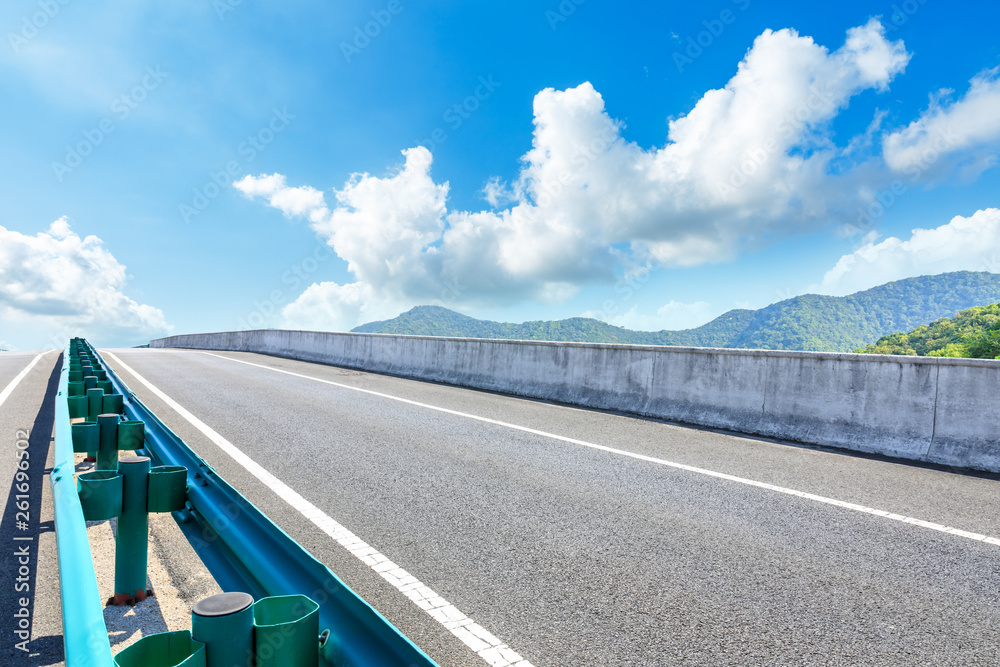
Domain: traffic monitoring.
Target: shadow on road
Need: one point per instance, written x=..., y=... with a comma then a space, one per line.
x=19, y=530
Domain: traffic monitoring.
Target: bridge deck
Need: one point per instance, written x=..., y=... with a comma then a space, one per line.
x=616, y=554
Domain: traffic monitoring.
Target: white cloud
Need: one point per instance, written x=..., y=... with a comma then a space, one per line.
x=62, y=285
x=495, y=193
x=329, y=306
x=673, y=315
x=750, y=161
x=964, y=244
x=964, y=134
x=290, y=201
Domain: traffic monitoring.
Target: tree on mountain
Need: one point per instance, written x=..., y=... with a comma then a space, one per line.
x=972, y=333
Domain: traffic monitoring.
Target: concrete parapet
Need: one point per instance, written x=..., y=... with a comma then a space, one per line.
x=920, y=408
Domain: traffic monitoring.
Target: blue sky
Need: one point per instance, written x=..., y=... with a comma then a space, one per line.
x=221, y=165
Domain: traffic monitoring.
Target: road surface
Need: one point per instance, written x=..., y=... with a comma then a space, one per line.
x=29, y=585
x=577, y=537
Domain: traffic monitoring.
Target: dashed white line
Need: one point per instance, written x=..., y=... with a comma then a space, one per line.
x=650, y=459
x=9, y=389
x=487, y=646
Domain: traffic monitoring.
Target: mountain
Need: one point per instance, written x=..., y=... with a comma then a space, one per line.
x=438, y=321
x=971, y=333
x=807, y=322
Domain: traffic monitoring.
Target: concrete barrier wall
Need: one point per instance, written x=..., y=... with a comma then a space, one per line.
x=924, y=409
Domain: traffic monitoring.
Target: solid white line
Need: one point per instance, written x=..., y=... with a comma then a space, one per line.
x=9, y=389
x=477, y=638
x=650, y=459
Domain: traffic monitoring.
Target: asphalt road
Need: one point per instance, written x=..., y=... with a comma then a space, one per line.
x=29, y=585
x=574, y=555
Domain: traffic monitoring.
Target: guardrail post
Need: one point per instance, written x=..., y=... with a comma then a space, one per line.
x=145, y=489
x=235, y=631
x=133, y=532
x=107, y=450
x=95, y=403
x=224, y=622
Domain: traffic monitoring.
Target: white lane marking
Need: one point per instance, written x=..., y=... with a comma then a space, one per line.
x=477, y=638
x=9, y=389
x=650, y=459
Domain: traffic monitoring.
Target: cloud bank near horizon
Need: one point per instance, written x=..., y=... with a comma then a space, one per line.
x=964, y=244
x=60, y=285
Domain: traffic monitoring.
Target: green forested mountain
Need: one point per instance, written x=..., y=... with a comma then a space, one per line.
x=437, y=321
x=808, y=322
x=971, y=333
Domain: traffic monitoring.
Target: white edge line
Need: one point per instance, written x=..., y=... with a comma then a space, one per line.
x=649, y=459
x=9, y=389
x=483, y=643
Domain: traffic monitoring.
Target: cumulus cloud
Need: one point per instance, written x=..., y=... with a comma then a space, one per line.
x=750, y=161
x=964, y=244
x=331, y=306
x=290, y=201
x=964, y=134
x=65, y=285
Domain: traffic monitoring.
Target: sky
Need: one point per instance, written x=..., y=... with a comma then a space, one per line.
x=217, y=165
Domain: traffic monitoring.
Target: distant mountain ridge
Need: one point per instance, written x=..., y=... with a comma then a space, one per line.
x=807, y=322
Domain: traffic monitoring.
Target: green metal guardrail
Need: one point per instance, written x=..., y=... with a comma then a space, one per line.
x=85, y=636
x=246, y=552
